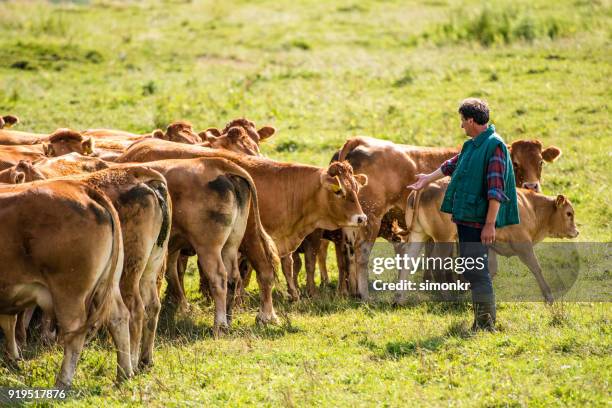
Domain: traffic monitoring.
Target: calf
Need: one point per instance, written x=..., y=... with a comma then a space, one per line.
x=62, y=249
x=59, y=143
x=541, y=217
x=215, y=203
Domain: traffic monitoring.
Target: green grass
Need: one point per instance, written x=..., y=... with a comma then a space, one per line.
x=321, y=72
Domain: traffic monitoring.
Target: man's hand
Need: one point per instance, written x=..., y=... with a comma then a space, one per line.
x=487, y=236
x=422, y=181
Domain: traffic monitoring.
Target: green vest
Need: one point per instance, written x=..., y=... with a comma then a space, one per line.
x=466, y=195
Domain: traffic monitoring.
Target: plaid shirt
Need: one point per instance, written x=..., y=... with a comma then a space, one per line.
x=495, y=179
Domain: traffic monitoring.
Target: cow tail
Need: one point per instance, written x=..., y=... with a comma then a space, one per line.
x=348, y=146
x=412, y=206
x=160, y=189
x=100, y=301
x=269, y=247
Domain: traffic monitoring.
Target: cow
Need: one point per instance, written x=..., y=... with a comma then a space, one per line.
x=248, y=126
x=47, y=168
x=541, y=217
x=62, y=249
x=295, y=198
x=394, y=166
x=59, y=143
x=215, y=203
x=141, y=199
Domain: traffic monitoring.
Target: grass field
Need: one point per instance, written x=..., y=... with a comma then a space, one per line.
x=321, y=72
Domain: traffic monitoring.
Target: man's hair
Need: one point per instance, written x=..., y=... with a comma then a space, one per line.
x=475, y=109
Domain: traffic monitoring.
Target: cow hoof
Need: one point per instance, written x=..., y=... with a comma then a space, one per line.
x=549, y=300
x=145, y=364
x=122, y=375
x=220, y=330
x=264, y=319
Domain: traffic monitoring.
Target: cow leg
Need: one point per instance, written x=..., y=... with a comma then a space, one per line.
x=363, y=248
x=134, y=304
x=528, y=257
x=297, y=268
x=322, y=261
x=175, y=291
x=229, y=254
x=71, y=317
x=245, y=278
x=120, y=331
x=23, y=321
x=209, y=257
x=265, y=274
x=287, y=265
x=412, y=249
x=8, y=323
x=45, y=302
x=341, y=261
x=310, y=259
x=492, y=263
x=150, y=297
x=348, y=252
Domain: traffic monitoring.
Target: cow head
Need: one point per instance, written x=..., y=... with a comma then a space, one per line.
x=341, y=188
x=249, y=127
x=235, y=140
x=24, y=172
x=65, y=141
x=528, y=159
x=562, y=223
x=8, y=121
x=179, y=132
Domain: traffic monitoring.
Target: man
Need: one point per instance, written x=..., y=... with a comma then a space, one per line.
x=481, y=196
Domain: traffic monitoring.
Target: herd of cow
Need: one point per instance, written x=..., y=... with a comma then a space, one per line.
x=91, y=221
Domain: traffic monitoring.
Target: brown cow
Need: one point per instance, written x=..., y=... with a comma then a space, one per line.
x=62, y=249
x=141, y=199
x=215, y=201
x=541, y=217
x=60, y=142
x=295, y=199
x=47, y=168
x=248, y=126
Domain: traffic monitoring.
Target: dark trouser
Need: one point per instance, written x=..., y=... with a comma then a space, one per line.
x=470, y=246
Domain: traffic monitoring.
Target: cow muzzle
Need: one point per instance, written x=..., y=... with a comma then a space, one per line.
x=359, y=220
x=535, y=186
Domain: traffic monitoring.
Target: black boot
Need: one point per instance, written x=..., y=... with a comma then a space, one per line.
x=484, y=316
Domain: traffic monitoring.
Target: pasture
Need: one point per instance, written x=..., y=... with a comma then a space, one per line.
x=321, y=72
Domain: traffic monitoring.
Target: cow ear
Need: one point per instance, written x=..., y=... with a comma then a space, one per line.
x=551, y=154
x=266, y=132
x=18, y=177
x=48, y=149
x=10, y=120
x=213, y=131
x=361, y=179
x=560, y=200
x=159, y=134
x=331, y=183
x=207, y=137
x=88, y=145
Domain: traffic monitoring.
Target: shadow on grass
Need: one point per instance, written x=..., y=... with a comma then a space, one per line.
x=396, y=350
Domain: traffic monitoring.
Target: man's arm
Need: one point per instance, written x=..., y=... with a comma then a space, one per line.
x=447, y=168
